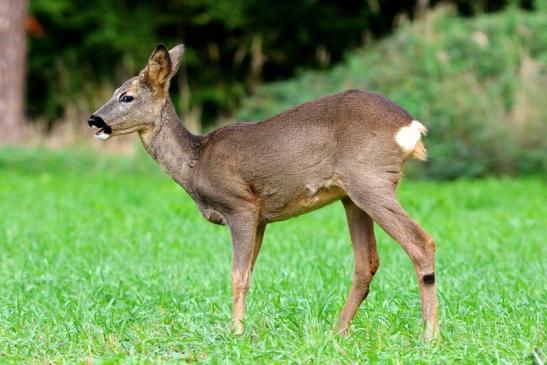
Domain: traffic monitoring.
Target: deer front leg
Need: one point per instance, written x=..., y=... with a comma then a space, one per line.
x=246, y=238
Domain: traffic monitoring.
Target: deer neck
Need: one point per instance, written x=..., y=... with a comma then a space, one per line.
x=173, y=146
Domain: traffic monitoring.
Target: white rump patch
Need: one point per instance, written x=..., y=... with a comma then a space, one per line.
x=407, y=137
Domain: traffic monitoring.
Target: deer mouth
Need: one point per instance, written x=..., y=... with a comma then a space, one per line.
x=104, y=132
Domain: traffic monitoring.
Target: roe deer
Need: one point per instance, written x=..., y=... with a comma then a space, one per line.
x=349, y=146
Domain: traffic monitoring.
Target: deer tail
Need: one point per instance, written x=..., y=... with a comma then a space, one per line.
x=409, y=138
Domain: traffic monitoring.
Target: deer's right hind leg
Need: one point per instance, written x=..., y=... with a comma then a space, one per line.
x=380, y=202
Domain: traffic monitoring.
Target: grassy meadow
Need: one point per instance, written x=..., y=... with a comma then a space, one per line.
x=106, y=260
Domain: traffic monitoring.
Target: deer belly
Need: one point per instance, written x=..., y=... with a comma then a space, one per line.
x=313, y=199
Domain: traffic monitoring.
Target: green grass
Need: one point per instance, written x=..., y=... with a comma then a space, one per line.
x=106, y=259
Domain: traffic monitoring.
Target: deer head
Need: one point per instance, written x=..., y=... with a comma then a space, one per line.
x=136, y=105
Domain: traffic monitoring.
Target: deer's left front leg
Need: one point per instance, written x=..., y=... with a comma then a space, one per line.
x=247, y=235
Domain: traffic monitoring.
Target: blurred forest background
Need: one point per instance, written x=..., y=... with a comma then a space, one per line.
x=473, y=71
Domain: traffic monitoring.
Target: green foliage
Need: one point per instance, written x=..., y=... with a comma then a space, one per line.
x=104, y=261
x=478, y=84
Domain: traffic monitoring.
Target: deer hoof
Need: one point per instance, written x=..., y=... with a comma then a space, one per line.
x=431, y=333
x=237, y=328
x=342, y=330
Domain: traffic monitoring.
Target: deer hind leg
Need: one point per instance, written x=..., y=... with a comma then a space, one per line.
x=381, y=204
x=366, y=261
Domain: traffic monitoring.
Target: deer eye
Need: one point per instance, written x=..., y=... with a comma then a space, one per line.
x=126, y=98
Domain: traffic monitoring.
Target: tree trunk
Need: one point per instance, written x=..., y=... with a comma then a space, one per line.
x=13, y=14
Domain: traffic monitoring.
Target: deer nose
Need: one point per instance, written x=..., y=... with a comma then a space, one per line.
x=95, y=121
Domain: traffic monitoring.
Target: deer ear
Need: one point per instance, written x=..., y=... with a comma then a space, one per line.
x=176, y=54
x=157, y=72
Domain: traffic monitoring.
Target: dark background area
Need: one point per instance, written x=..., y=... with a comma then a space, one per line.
x=77, y=46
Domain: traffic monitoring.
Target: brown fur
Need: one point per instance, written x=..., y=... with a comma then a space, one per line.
x=246, y=175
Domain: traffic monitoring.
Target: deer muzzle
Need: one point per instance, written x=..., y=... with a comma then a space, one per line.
x=104, y=131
